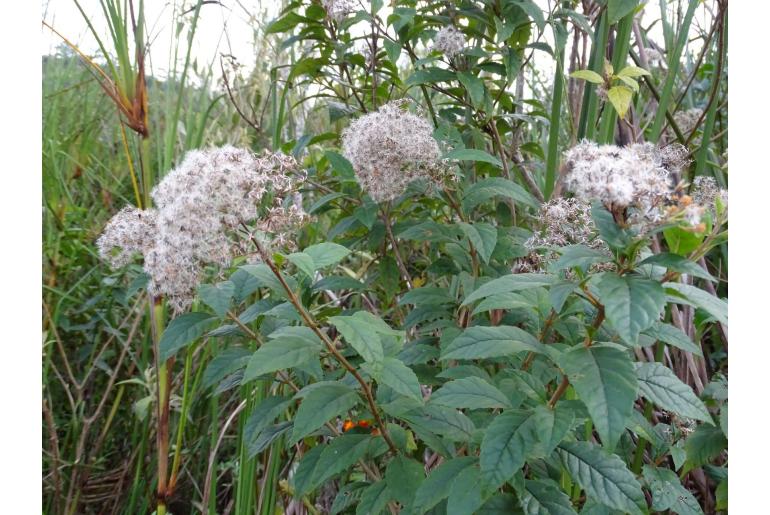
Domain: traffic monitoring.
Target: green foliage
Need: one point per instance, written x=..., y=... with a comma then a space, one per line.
x=395, y=358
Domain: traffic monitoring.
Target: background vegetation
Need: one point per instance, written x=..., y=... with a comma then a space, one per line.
x=507, y=108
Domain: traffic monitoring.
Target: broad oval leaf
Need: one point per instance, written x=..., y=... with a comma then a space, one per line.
x=279, y=354
x=507, y=442
x=509, y=283
x=470, y=393
x=473, y=154
x=320, y=405
x=603, y=476
x=182, y=331
x=660, y=385
x=605, y=380
x=632, y=304
x=491, y=342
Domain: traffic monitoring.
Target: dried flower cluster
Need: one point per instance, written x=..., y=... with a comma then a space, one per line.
x=391, y=148
x=561, y=222
x=449, y=41
x=654, y=58
x=641, y=176
x=705, y=193
x=205, y=211
x=338, y=10
x=686, y=121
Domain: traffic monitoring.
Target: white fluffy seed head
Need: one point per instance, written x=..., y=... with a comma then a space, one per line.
x=449, y=41
x=391, y=148
x=206, y=210
x=561, y=222
x=705, y=192
x=338, y=10
x=640, y=176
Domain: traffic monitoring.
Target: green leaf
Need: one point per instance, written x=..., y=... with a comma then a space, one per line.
x=319, y=405
x=615, y=237
x=442, y=421
x=182, y=331
x=620, y=97
x=429, y=76
x=438, y=484
x=465, y=496
x=579, y=256
x=267, y=436
x=682, y=241
x=262, y=416
x=673, y=336
x=504, y=301
x=304, y=474
x=491, y=187
x=507, y=441
x=286, y=23
x=678, y=264
x=404, y=476
x=483, y=237
x=304, y=262
x=605, y=380
x=668, y=493
x=533, y=11
x=632, y=304
x=704, y=444
x=715, y=306
x=509, y=283
x=279, y=354
x=393, y=49
x=326, y=254
x=359, y=334
x=603, y=476
x=490, y=342
x=348, y=495
x=392, y=372
x=472, y=154
x=341, y=453
x=471, y=393
x=474, y=86
x=660, y=385
x=340, y=164
x=217, y=296
x=589, y=75
x=427, y=295
x=550, y=426
x=544, y=497
x=617, y=9
x=631, y=83
x=374, y=499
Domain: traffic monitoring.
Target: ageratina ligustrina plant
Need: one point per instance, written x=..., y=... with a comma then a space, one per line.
x=544, y=333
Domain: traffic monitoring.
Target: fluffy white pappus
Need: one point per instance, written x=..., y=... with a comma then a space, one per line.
x=130, y=232
x=338, y=10
x=391, y=148
x=449, y=41
x=561, y=222
x=705, y=192
x=207, y=210
x=641, y=176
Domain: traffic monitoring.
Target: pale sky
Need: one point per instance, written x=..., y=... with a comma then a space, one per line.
x=223, y=27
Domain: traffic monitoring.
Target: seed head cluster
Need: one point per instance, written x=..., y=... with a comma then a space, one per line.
x=449, y=41
x=206, y=211
x=686, y=121
x=391, y=148
x=338, y=10
x=561, y=222
x=705, y=192
x=640, y=176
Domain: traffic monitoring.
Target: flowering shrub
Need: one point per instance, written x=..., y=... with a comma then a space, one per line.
x=496, y=307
